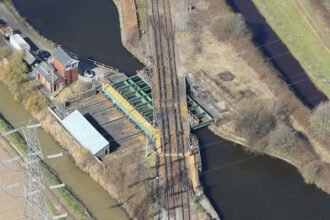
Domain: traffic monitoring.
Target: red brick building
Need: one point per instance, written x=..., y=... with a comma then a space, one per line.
x=51, y=79
x=66, y=66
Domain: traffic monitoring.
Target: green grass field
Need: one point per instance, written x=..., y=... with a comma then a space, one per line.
x=305, y=34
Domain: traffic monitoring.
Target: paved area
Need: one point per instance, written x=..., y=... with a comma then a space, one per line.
x=26, y=31
x=110, y=122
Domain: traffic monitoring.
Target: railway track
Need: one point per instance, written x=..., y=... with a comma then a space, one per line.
x=166, y=99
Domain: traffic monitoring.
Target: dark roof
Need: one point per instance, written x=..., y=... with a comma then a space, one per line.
x=63, y=57
x=47, y=71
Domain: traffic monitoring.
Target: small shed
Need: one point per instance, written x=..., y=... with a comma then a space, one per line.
x=18, y=43
x=85, y=134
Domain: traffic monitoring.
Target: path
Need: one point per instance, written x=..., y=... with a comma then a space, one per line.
x=5, y=13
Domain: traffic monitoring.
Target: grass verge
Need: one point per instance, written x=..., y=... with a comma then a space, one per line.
x=293, y=21
x=142, y=15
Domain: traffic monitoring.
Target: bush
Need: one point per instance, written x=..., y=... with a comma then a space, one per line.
x=230, y=27
x=253, y=118
x=35, y=102
x=283, y=137
x=320, y=120
x=14, y=76
x=4, y=52
x=311, y=173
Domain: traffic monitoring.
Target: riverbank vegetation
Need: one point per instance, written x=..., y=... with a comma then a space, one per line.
x=304, y=33
x=130, y=180
x=258, y=110
x=142, y=15
x=14, y=74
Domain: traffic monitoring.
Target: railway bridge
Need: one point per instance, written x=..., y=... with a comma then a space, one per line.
x=162, y=109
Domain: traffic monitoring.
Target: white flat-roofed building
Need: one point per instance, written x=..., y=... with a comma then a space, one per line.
x=18, y=43
x=85, y=134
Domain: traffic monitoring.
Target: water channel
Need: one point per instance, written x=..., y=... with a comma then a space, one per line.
x=278, y=53
x=88, y=28
x=240, y=185
x=96, y=199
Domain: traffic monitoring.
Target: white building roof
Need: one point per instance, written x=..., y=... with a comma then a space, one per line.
x=18, y=39
x=84, y=132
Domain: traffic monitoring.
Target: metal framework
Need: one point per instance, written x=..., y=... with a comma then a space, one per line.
x=34, y=189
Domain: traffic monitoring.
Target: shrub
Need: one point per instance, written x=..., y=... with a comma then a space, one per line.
x=35, y=102
x=283, y=137
x=4, y=52
x=311, y=173
x=253, y=118
x=229, y=27
x=14, y=76
x=320, y=120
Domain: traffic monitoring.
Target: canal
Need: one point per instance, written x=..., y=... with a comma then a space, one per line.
x=96, y=199
x=88, y=28
x=240, y=185
x=278, y=53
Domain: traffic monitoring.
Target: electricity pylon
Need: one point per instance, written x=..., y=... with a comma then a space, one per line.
x=34, y=190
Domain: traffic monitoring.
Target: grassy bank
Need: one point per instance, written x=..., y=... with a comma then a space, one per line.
x=76, y=209
x=263, y=118
x=142, y=15
x=303, y=33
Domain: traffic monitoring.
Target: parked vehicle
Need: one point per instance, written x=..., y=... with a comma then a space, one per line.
x=43, y=54
x=89, y=73
x=3, y=24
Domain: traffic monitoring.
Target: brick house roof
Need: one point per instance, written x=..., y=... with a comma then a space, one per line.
x=63, y=57
x=47, y=71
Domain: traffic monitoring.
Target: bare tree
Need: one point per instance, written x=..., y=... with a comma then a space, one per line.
x=231, y=26
x=311, y=173
x=320, y=120
x=283, y=137
x=253, y=118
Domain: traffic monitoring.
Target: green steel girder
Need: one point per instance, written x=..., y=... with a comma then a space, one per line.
x=148, y=112
x=192, y=108
x=201, y=115
x=129, y=92
x=135, y=98
x=142, y=104
x=137, y=102
x=123, y=86
x=139, y=94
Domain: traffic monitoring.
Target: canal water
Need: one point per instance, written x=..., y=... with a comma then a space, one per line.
x=278, y=53
x=239, y=185
x=245, y=186
x=96, y=199
x=88, y=28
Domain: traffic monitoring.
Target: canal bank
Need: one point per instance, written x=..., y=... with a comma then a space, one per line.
x=97, y=200
x=278, y=54
x=102, y=42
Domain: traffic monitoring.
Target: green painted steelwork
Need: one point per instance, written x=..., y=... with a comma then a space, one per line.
x=139, y=95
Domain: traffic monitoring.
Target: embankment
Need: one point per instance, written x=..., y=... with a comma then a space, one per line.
x=129, y=28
